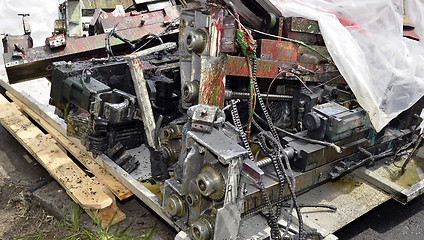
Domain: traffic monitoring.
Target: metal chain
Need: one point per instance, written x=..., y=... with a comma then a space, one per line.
x=261, y=101
x=271, y=218
x=239, y=126
x=277, y=167
x=274, y=202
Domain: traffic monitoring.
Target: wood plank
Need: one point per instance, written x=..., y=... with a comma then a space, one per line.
x=105, y=215
x=77, y=184
x=117, y=188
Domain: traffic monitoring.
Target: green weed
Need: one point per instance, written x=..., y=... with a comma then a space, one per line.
x=74, y=231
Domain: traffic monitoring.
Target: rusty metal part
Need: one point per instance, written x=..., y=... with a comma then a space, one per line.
x=304, y=30
x=237, y=66
x=77, y=123
x=203, y=117
x=38, y=62
x=228, y=41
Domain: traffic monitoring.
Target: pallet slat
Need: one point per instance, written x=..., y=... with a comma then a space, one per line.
x=77, y=184
x=117, y=188
x=105, y=215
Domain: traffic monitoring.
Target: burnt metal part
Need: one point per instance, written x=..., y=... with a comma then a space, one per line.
x=120, y=156
x=39, y=61
x=101, y=135
x=158, y=164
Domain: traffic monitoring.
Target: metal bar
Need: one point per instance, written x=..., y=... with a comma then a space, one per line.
x=382, y=183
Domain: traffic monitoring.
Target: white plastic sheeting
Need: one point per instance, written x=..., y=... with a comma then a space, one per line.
x=364, y=37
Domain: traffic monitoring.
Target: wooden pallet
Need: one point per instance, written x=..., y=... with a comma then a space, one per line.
x=119, y=190
x=92, y=194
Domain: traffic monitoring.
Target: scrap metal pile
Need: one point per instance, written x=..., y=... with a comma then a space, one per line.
x=241, y=108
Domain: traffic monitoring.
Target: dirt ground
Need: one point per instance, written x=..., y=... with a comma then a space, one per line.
x=21, y=214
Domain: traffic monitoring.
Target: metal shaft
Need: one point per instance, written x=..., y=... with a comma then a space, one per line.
x=229, y=94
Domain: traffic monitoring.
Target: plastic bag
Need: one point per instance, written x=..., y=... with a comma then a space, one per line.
x=384, y=70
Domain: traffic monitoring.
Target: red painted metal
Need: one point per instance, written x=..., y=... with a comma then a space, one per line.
x=278, y=50
x=237, y=66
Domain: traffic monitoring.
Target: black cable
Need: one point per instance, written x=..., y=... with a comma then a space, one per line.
x=333, y=208
x=418, y=142
x=154, y=36
x=123, y=39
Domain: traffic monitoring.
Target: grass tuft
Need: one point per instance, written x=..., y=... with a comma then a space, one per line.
x=74, y=231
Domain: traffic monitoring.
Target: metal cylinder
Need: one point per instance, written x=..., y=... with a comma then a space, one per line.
x=202, y=229
x=174, y=205
x=191, y=92
x=208, y=183
x=229, y=94
x=192, y=199
x=289, y=151
x=196, y=40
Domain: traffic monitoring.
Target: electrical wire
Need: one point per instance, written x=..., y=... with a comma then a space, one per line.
x=303, y=83
x=333, y=208
x=153, y=36
x=403, y=148
x=269, y=88
x=284, y=38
